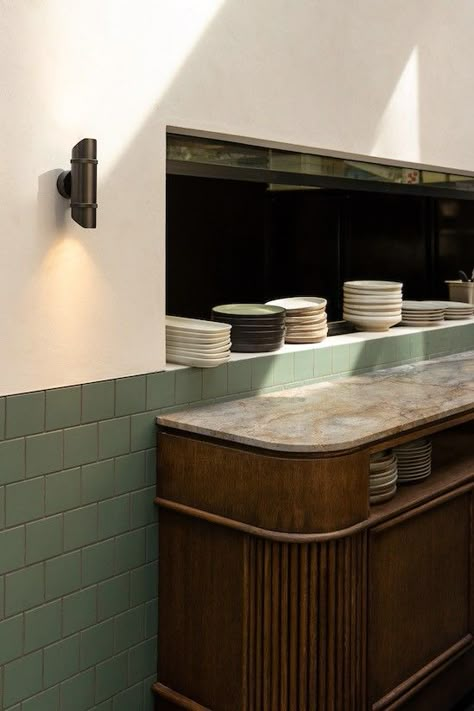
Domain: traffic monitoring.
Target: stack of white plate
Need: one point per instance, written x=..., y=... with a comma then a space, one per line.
x=454, y=310
x=383, y=477
x=373, y=305
x=414, y=461
x=305, y=320
x=190, y=341
x=422, y=313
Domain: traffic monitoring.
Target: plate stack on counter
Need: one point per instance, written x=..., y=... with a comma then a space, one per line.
x=202, y=344
x=373, y=305
x=456, y=310
x=414, y=461
x=255, y=327
x=383, y=477
x=422, y=313
x=306, y=319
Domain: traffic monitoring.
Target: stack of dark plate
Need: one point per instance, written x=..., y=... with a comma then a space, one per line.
x=255, y=327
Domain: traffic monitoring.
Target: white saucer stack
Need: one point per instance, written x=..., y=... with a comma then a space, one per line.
x=414, y=461
x=422, y=313
x=383, y=477
x=456, y=310
x=305, y=319
x=373, y=305
x=203, y=344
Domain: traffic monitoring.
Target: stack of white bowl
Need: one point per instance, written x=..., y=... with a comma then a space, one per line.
x=305, y=320
x=203, y=344
x=373, y=305
x=414, y=461
x=422, y=313
x=383, y=477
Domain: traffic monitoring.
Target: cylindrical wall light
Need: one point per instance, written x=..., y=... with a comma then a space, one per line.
x=80, y=183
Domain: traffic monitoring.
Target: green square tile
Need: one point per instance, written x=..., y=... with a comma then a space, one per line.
x=152, y=543
x=2, y=417
x=63, y=575
x=142, y=660
x=129, y=699
x=24, y=589
x=11, y=639
x=356, y=354
x=80, y=527
x=341, y=359
x=151, y=618
x=129, y=472
x=188, y=385
x=44, y=539
x=143, y=584
x=148, y=695
x=98, y=401
x=80, y=445
x=25, y=414
x=304, y=365
x=150, y=474
x=322, y=362
x=24, y=501
x=438, y=341
x=97, y=481
x=2, y=507
x=61, y=660
x=239, y=376
x=46, y=701
x=114, y=516
x=79, y=610
x=403, y=348
x=111, y=677
x=22, y=678
x=114, y=437
x=129, y=628
x=12, y=461
x=130, y=395
x=214, y=382
x=130, y=550
x=262, y=372
x=143, y=510
x=97, y=643
x=98, y=562
x=160, y=390
x=143, y=431
x=77, y=693
x=105, y=706
x=63, y=491
x=44, y=453
x=284, y=369
x=12, y=549
x=42, y=626
x=63, y=407
x=113, y=596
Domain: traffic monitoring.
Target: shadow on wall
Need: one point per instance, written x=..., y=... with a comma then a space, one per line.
x=250, y=67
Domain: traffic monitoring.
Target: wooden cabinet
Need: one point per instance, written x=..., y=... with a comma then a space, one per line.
x=281, y=590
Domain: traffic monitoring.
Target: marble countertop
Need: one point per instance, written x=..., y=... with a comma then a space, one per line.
x=337, y=415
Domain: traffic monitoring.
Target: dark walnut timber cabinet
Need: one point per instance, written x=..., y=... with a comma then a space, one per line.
x=280, y=589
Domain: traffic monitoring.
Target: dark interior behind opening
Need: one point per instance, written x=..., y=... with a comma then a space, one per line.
x=238, y=241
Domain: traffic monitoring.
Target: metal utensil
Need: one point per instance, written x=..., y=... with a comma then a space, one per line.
x=463, y=276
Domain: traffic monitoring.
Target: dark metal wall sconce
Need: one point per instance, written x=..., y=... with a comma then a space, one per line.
x=80, y=183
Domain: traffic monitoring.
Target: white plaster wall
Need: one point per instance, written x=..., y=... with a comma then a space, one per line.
x=385, y=78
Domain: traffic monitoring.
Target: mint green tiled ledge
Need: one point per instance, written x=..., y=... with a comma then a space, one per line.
x=78, y=528
x=338, y=356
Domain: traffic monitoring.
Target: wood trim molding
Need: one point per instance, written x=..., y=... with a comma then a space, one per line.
x=398, y=696
x=277, y=536
x=177, y=699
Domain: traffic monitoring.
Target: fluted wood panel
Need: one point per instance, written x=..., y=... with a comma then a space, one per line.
x=306, y=616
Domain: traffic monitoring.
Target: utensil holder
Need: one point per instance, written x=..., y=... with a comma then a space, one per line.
x=461, y=290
